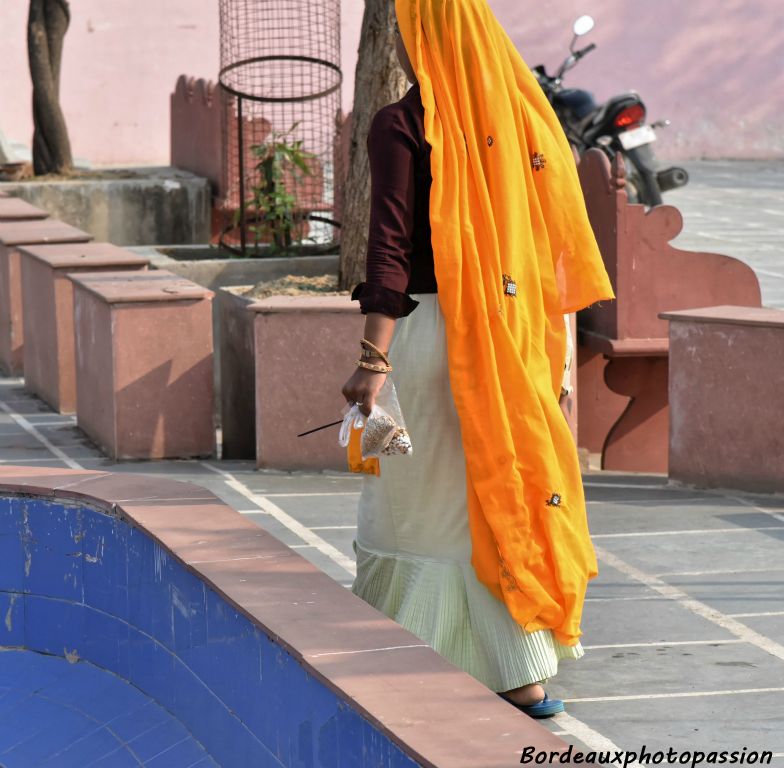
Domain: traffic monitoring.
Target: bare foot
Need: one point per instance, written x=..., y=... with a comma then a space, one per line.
x=525, y=696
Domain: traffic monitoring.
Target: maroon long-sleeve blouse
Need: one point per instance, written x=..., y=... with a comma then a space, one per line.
x=400, y=254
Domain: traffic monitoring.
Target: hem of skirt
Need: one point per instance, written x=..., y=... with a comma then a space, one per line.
x=444, y=604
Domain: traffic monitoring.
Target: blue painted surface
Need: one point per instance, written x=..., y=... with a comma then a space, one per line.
x=76, y=581
x=60, y=714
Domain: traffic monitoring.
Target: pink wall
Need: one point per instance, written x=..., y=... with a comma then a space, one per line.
x=715, y=69
x=120, y=63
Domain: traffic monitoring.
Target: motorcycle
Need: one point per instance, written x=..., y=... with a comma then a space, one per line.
x=615, y=126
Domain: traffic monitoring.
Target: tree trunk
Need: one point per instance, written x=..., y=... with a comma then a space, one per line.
x=379, y=81
x=47, y=24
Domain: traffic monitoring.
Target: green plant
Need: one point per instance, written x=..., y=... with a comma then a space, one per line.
x=281, y=164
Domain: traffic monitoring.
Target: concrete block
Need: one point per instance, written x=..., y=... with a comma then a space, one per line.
x=306, y=348
x=726, y=419
x=144, y=364
x=13, y=235
x=134, y=206
x=14, y=209
x=49, y=360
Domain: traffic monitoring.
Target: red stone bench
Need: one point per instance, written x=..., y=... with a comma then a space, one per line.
x=14, y=234
x=726, y=414
x=144, y=364
x=622, y=345
x=49, y=362
x=306, y=348
x=16, y=209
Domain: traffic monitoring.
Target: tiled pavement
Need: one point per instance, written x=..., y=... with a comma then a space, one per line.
x=737, y=208
x=683, y=628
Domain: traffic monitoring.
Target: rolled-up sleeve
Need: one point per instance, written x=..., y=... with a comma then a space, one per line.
x=391, y=151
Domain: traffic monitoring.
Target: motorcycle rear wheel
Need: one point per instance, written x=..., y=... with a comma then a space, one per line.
x=641, y=174
x=632, y=190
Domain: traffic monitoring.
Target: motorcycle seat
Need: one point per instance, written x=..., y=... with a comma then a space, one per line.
x=579, y=102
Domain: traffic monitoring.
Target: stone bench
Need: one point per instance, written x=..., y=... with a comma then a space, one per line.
x=306, y=348
x=726, y=416
x=47, y=292
x=14, y=234
x=622, y=345
x=144, y=364
x=16, y=209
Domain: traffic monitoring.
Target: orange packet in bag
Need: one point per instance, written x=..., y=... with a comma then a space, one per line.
x=354, y=452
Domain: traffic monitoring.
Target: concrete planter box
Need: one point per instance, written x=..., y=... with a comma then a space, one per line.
x=49, y=361
x=305, y=349
x=144, y=368
x=136, y=206
x=201, y=264
x=13, y=235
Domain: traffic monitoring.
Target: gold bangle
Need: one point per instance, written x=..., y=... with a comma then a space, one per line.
x=376, y=368
x=369, y=345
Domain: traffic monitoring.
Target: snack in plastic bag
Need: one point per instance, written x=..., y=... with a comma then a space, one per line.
x=354, y=455
x=384, y=432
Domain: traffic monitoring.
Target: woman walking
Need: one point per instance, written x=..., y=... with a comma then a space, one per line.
x=479, y=245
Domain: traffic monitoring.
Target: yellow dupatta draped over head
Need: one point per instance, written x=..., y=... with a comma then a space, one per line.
x=506, y=201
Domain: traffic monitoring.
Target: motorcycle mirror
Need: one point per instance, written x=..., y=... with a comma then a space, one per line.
x=583, y=26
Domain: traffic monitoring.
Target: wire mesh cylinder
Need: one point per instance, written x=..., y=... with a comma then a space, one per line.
x=281, y=83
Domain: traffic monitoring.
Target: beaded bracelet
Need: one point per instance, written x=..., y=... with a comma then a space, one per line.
x=368, y=354
x=371, y=347
x=376, y=368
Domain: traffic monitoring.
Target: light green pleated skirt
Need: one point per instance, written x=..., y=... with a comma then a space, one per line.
x=413, y=542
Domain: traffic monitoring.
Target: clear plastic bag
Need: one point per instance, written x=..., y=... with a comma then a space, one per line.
x=383, y=431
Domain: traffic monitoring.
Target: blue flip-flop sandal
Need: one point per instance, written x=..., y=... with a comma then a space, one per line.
x=547, y=707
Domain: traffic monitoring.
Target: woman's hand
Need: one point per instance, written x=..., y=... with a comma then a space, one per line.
x=362, y=387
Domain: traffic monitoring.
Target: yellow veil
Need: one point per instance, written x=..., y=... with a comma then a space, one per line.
x=506, y=206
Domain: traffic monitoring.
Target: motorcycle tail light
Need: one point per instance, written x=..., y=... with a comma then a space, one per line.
x=630, y=116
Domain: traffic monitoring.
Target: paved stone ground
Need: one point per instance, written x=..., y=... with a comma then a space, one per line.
x=737, y=208
x=682, y=629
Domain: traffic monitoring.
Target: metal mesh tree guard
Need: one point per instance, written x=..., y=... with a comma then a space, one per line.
x=281, y=83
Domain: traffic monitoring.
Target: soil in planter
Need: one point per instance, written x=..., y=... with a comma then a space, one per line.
x=291, y=285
